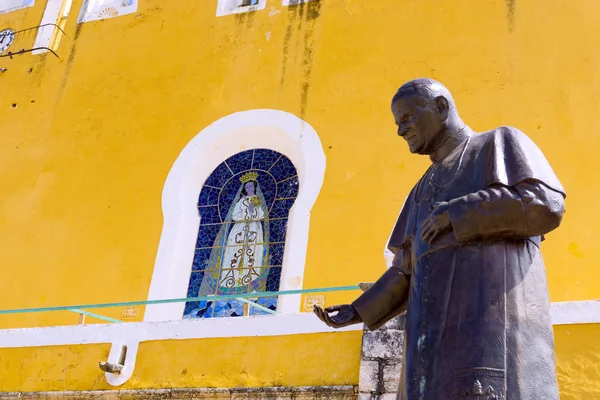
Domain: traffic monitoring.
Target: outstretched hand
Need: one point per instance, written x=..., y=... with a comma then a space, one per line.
x=346, y=315
x=437, y=223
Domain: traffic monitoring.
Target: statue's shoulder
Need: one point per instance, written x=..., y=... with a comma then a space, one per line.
x=502, y=136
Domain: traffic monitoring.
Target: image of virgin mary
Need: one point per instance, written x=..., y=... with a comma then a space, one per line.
x=238, y=261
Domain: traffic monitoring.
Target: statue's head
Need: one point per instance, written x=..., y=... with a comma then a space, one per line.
x=423, y=109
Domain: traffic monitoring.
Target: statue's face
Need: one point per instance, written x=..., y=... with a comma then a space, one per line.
x=419, y=121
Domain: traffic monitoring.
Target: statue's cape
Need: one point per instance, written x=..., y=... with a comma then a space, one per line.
x=503, y=156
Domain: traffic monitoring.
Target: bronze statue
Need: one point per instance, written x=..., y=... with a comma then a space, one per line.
x=467, y=267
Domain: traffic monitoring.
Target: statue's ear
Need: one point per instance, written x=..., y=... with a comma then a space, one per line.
x=442, y=105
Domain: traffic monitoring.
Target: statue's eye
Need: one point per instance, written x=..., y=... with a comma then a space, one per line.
x=404, y=118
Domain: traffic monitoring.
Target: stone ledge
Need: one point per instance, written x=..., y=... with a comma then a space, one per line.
x=274, y=393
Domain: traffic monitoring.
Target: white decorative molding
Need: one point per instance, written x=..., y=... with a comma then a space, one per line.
x=575, y=312
x=228, y=7
x=7, y=6
x=49, y=35
x=136, y=332
x=271, y=129
x=95, y=10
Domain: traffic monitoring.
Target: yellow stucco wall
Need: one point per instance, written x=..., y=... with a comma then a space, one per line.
x=578, y=361
x=242, y=362
x=87, y=148
x=295, y=360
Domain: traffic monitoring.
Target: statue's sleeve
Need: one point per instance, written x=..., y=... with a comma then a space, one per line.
x=387, y=297
x=527, y=209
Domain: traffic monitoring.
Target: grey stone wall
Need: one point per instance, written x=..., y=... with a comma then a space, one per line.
x=381, y=361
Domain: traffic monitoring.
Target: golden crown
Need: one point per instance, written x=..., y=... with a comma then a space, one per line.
x=249, y=176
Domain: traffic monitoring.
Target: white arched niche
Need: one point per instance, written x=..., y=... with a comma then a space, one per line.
x=271, y=129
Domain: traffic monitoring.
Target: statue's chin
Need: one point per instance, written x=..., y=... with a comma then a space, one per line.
x=415, y=150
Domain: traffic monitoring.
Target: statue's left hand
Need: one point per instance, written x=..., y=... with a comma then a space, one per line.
x=346, y=315
x=437, y=223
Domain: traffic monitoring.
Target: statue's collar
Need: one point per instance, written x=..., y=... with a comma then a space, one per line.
x=451, y=144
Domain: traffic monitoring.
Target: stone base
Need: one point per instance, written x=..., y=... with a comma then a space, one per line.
x=283, y=393
x=381, y=361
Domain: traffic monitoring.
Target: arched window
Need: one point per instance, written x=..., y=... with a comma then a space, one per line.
x=276, y=130
x=243, y=207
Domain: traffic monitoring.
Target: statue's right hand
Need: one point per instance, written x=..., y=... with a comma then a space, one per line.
x=346, y=315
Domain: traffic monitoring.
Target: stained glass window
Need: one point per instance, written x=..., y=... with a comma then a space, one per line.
x=243, y=206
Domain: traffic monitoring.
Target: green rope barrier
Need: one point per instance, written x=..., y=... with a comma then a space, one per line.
x=180, y=300
x=91, y=314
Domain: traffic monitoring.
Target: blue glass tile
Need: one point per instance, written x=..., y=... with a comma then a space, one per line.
x=201, y=259
x=207, y=235
x=208, y=196
x=273, y=279
x=191, y=308
x=209, y=215
x=229, y=308
x=195, y=281
x=240, y=161
x=288, y=188
x=276, y=254
x=283, y=169
x=227, y=197
x=229, y=191
x=198, y=309
x=219, y=176
x=281, y=208
x=264, y=159
x=268, y=187
x=268, y=302
x=277, y=230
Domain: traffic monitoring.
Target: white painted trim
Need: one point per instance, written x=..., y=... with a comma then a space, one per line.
x=272, y=129
x=229, y=7
x=575, y=312
x=24, y=4
x=114, y=355
x=87, y=15
x=47, y=32
x=137, y=332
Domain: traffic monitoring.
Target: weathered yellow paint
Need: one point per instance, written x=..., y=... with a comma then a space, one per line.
x=54, y=368
x=295, y=360
x=578, y=361
x=89, y=143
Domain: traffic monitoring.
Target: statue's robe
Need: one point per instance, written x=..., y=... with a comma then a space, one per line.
x=478, y=312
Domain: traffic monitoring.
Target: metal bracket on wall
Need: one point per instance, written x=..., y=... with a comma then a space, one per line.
x=24, y=41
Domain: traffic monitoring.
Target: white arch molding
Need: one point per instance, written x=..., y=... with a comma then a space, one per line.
x=264, y=128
